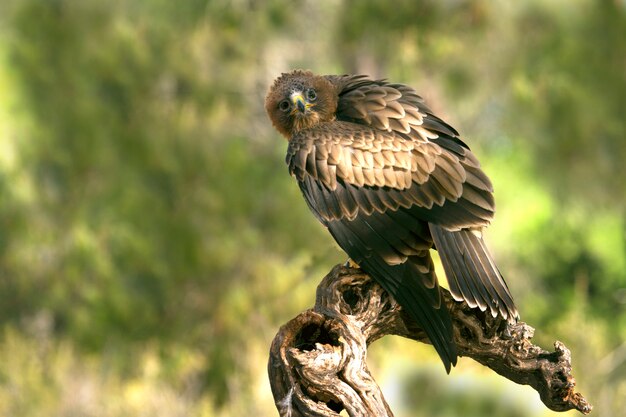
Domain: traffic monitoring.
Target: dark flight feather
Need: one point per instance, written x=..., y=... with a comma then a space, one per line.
x=404, y=284
x=467, y=261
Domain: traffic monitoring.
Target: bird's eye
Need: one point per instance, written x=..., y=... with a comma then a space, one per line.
x=284, y=105
x=311, y=95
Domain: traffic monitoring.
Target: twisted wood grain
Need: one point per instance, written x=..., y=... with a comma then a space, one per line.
x=317, y=361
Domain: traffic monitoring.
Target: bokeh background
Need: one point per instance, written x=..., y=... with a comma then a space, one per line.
x=152, y=242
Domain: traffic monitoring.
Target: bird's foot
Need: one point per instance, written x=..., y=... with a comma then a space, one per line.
x=351, y=264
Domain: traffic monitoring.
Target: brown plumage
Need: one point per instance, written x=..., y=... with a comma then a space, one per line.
x=390, y=180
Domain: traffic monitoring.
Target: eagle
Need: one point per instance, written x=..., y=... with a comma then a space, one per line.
x=390, y=180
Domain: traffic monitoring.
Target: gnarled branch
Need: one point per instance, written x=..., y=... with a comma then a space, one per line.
x=317, y=360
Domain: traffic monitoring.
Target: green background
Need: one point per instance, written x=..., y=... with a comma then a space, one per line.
x=152, y=241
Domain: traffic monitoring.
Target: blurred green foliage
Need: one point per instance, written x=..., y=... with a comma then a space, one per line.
x=151, y=241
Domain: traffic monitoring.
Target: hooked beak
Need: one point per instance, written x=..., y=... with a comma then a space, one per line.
x=299, y=104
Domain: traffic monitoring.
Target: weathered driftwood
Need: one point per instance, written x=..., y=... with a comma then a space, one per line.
x=317, y=360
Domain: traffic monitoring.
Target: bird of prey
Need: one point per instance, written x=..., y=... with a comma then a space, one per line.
x=390, y=180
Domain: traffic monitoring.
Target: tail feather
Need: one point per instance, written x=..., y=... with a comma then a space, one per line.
x=472, y=274
x=423, y=304
x=405, y=283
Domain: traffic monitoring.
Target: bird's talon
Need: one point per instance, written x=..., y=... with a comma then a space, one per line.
x=351, y=264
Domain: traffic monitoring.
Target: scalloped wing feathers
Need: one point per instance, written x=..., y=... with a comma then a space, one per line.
x=394, y=169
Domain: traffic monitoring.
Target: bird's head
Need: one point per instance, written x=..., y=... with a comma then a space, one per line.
x=299, y=100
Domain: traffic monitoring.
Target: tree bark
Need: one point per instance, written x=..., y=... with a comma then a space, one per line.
x=317, y=361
